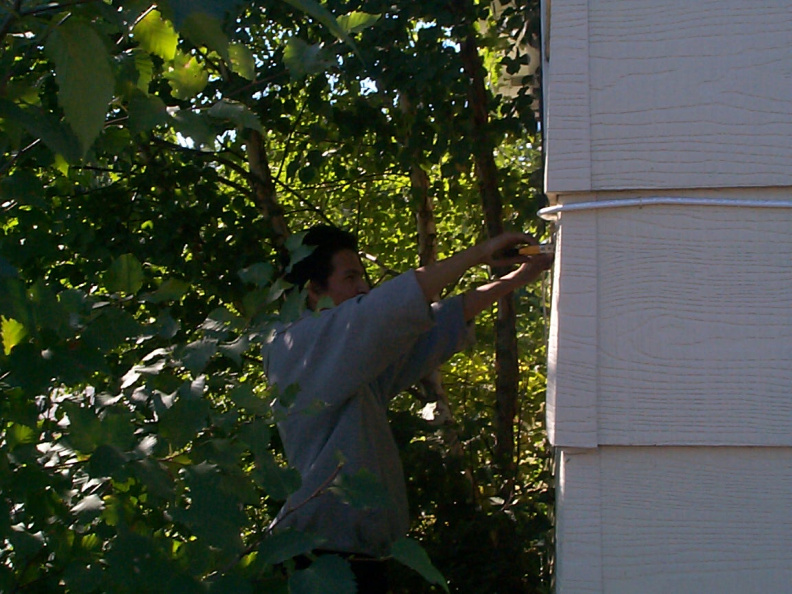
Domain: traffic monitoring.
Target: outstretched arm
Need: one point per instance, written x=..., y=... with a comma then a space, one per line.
x=433, y=278
x=477, y=300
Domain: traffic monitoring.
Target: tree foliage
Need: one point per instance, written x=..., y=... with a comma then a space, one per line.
x=156, y=159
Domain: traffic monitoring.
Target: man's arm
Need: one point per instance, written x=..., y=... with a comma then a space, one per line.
x=435, y=277
x=477, y=300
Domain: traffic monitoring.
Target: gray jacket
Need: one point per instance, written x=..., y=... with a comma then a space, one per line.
x=348, y=362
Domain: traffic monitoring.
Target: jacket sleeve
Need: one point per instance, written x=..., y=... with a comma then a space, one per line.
x=449, y=335
x=329, y=354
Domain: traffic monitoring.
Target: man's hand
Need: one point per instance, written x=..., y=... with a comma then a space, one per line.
x=531, y=267
x=495, y=251
x=531, y=270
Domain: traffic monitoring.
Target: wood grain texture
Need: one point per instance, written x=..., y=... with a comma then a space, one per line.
x=578, y=522
x=694, y=326
x=696, y=520
x=682, y=520
x=572, y=354
x=687, y=94
x=566, y=93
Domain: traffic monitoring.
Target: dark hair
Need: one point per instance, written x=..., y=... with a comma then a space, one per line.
x=318, y=266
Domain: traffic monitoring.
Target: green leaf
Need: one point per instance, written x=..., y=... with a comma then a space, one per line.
x=156, y=478
x=183, y=9
x=14, y=303
x=84, y=427
x=57, y=136
x=362, y=490
x=85, y=79
x=171, y=289
x=81, y=578
x=146, y=113
x=156, y=35
x=186, y=76
x=244, y=397
x=23, y=187
x=329, y=574
x=137, y=562
x=256, y=434
x=302, y=59
x=280, y=546
x=298, y=251
x=30, y=370
x=278, y=481
x=233, y=583
x=325, y=17
x=196, y=355
x=411, y=554
x=134, y=72
x=166, y=326
x=206, y=30
x=88, y=508
x=25, y=544
x=144, y=66
x=234, y=350
x=180, y=423
x=18, y=434
x=194, y=125
x=242, y=61
x=356, y=21
x=111, y=328
x=214, y=514
x=105, y=461
x=12, y=332
x=259, y=274
x=237, y=113
x=125, y=275
x=48, y=310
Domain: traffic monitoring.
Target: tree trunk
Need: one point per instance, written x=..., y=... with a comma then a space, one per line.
x=264, y=191
x=506, y=360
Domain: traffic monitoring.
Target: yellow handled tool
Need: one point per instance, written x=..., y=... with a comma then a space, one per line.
x=532, y=250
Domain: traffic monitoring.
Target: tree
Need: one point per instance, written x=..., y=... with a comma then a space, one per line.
x=156, y=158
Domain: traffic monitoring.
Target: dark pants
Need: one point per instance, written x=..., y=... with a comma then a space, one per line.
x=370, y=573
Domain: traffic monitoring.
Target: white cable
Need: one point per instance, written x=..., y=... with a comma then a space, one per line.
x=551, y=213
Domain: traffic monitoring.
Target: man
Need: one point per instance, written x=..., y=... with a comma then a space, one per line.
x=348, y=357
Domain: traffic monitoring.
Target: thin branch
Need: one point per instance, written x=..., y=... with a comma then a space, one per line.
x=319, y=491
x=140, y=17
x=303, y=199
x=289, y=138
x=237, y=186
x=56, y=7
x=251, y=547
x=212, y=156
x=9, y=20
x=10, y=163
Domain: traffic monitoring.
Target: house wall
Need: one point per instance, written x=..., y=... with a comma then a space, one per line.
x=670, y=354
x=673, y=519
x=672, y=324
x=646, y=94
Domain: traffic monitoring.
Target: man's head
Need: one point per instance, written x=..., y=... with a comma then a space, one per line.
x=333, y=269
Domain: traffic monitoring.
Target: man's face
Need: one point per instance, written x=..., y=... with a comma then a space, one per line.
x=347, y=280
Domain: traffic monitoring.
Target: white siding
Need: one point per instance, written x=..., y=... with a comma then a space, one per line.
x=572, y=353
x=695, y=326
x=647, y=94
x=682, y=520
x=566, y=98
x=672, y=325
x=670, y=355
